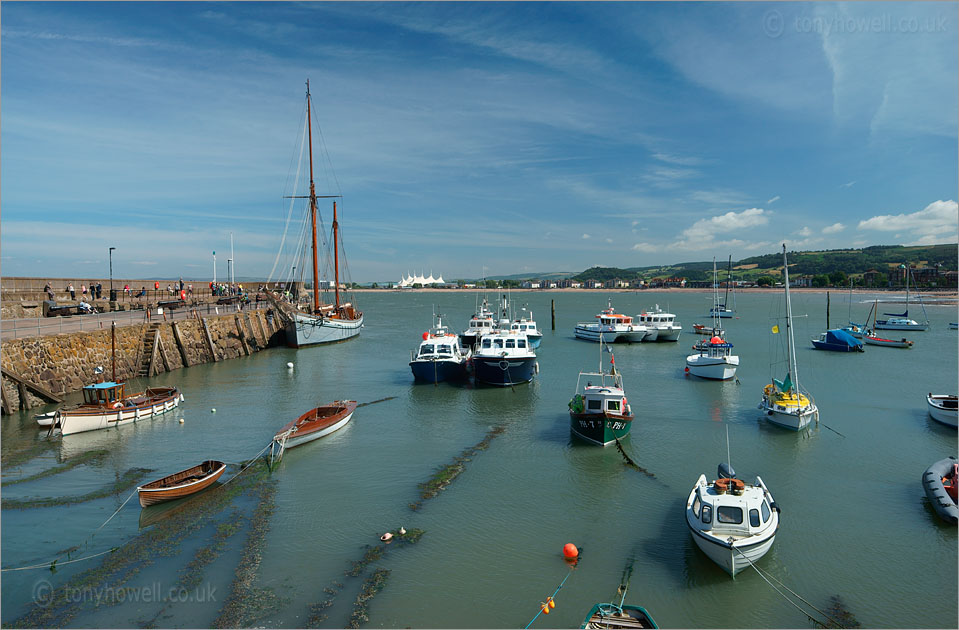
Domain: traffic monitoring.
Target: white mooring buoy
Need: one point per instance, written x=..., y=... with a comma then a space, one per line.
x=213, y=410
x=181, y=420
x=289, y=365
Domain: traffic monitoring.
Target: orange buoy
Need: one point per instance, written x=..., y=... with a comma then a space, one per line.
x=570, y=551
x=552, y=604
x=545, y=609
x=426, y=336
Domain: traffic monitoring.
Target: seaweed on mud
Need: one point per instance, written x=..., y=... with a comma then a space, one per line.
x=125, y=482
x=246, y=603
x=14, y=457
x=371, y=586
x=163, y=539
x=839, y=616
x=444, y=475
x=317, y=616
x=85, y=458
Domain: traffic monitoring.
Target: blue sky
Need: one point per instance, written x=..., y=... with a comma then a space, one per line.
x=526, y=137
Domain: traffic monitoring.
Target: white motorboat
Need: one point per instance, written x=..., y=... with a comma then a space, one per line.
x=944, y=408
x=105, y=405
x=901, y=321
x=662, y=326
x=525, y=324
x=732, y=522
x=784, y=402
x=481, y=323
x=612, y=327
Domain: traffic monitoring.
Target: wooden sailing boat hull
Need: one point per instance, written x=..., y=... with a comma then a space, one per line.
x=316, y=423
x=154, y=401
x=181, y=484
x=310, y=330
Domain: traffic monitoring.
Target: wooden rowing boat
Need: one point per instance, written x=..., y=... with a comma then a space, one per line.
x=181, y=484
x=316, y=423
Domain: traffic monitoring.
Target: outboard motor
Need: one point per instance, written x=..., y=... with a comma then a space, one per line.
x=726, y=471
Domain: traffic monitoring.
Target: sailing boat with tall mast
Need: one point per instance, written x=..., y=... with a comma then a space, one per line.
x=784, y=402
x=714, y=359
x=316, y=323
x=901, y=321
x=722, y=310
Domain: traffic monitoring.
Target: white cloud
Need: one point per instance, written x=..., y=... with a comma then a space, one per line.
x=702, y=234
x=721, y=197
x=677, y=159
x=805, y=231
x=835, y=228
x=586, y=236
x=609, y=240
x=773, y=200
x=848, y=184
x=646, y=247
x=936, y=223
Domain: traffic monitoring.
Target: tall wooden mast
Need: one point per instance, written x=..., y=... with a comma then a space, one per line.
x=316, y=272
x=336, y=259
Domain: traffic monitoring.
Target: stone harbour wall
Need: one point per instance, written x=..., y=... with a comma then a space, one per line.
x=66, y=362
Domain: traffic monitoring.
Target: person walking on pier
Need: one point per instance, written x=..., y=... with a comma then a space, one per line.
x=99, y=290
x=73, y=293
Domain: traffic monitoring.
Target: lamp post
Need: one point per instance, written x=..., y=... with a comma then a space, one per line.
x=111, y=272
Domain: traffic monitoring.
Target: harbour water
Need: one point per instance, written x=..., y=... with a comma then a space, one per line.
x=855, y=521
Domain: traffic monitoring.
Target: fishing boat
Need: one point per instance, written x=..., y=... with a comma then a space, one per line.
x=837, y=340
x=784, y=402
x=316, y=423
x=481, y=323
x=612, y=327
x=732, y=522
x=703, y=329
x=180, y=484
x=599, y=412
x=662, y=326
x=526, y=324
x=941, y=484
x=106, y=404
x=721, y=310
x=901, y=321
x=714, y=358
x=316, y=322
x=504, y=358
x=439, y=356
x=944, y=408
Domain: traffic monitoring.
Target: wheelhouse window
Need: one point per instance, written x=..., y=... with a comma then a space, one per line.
x=729, y=514
x=754, y=517
x=594, y=405
x=444, y=350
x=765, y=509
x=612, y=405
x=520, y=343
x=696, y=505
x=510, y=343
x=497, y=343
x=486, y=343
x=707, y=513
x=426, y=349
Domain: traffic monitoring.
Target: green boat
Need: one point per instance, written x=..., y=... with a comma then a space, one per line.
x=599, y=412
x=618, y=616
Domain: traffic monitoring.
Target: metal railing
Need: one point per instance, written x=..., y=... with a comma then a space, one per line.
x=40, y=326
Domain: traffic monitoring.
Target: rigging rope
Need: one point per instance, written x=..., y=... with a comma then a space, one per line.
x=289, y=213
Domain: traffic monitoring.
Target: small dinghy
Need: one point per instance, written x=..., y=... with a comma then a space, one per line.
x=875, y=340
x=944, y=408
x=316, y=423
x=941, y=482
x=618, y=616
x=181, y=484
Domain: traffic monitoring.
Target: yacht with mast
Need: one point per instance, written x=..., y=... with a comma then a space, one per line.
x=784, y=402
x=721, y=310
x=901, y=321
x=714, y=358
x=317, y=323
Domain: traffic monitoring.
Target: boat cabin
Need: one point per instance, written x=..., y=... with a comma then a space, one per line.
x=507, y=342
x=597, y=399
x=609, y=318
x=437, y=348
x=523, y=327
x=656, y=318
x=724, y=511
x=106, y=393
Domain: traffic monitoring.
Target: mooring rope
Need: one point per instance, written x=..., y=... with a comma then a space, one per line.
x=808, y=616
x=552, y=597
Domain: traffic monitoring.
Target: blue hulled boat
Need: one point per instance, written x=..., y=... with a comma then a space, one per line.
x=439, y=357
x=837, y=340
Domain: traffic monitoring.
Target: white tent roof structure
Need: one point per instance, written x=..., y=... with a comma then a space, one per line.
x=409, y=280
